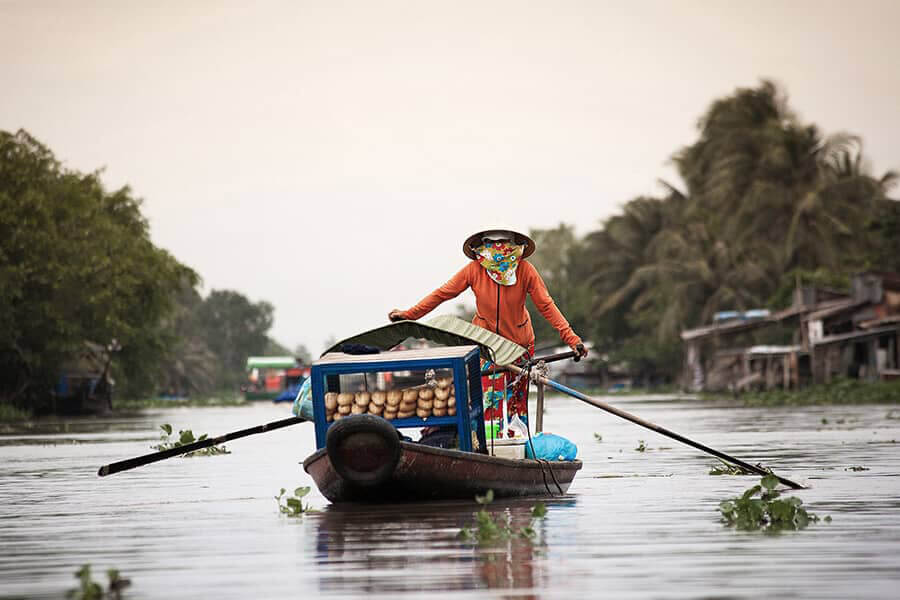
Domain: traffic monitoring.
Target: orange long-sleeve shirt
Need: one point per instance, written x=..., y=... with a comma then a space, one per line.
x=500, y=303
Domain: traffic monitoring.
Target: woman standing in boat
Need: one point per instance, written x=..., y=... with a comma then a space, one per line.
x=501, y=280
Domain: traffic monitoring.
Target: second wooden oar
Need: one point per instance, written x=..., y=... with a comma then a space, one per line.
x=140, y=461
x=661, y=430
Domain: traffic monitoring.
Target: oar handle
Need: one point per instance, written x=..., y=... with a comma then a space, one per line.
x=556, y=357
x=139, y=461
x=661, y=430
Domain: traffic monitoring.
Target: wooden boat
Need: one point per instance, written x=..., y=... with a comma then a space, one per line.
x=365, y=461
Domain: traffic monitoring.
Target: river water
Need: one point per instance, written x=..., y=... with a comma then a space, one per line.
x=634, y=525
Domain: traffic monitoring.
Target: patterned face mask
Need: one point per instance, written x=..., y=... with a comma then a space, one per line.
x=500, y=259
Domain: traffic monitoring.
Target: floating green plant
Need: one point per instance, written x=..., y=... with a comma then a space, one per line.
x=768, y=512
x=725, y=468
x=641, y=447
x=184, y=438
x=488, y=529
x=88, y=589
x=293, y=505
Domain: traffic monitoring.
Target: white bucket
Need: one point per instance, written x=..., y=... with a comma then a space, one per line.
x=514, y=448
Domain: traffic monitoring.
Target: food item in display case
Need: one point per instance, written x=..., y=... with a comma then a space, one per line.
x=441, y=394
x=440, y=404
x=451, y=411
x=363, y=399
x=358, y=410
x=423, y=413
x=405, y=414
x=338, y=416
x=440, y=412
x=410, y=395
x=444, y=382
x=426, y=394
x=425, y=404
x=331, y=401
x=374, y=409
x=390, y=414
x=345, y=399
x=344, y=410
x=379, y=398
x=393, y=398
x=451, y=402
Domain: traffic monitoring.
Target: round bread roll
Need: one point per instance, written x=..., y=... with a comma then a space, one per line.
x=375, y=409
x=451, y=411
x=404, y=414
x=331, y=400
x=444, y=383
x=344, y=410
x=410, y=395
x=345, y=399
x=426, y=394
x=440, y=412
x=440, y=404
x=338, y=416
x=390, y=414
x=423, y=413
x=378, y=398
x=394, y=397
x=329, y=417
x=441, y=394
x=358, y=410
x=425, y=404
x=363, y=399
x=451, y=402
x=408, y=406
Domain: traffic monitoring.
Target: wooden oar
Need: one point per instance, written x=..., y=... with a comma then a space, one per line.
x=661, y=430
x=140, y=461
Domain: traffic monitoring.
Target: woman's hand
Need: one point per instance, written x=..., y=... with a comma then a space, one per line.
x=580, y=350
x=395, y=315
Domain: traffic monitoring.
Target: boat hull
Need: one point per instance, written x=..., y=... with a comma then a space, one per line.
x=424, y=473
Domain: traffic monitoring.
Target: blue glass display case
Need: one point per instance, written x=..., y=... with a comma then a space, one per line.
x=463, y=361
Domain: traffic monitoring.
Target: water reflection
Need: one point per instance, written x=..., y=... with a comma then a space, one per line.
x=402, y=549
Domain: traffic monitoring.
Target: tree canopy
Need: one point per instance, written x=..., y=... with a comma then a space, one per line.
x=767, y=200
x=76, y=265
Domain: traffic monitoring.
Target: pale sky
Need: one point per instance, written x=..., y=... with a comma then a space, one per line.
x=330, y=157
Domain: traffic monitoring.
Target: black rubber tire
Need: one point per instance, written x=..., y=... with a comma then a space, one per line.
x=365, y=432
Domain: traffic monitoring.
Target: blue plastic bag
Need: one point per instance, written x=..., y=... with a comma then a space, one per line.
x=551, y=447
x=303, y=406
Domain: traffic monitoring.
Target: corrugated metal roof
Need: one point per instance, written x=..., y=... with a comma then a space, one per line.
x=445, y=330
x=417, y=354
x=843, y=337
x=271, y=362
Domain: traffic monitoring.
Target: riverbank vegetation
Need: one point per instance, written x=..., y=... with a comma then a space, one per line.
x=841, y=391
x=765, y=201
x=80, y=280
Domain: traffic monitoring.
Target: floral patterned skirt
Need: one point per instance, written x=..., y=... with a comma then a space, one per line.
x=498, y=389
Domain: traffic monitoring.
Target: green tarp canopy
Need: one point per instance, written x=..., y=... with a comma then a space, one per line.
x=271, y=362
x=445, y=330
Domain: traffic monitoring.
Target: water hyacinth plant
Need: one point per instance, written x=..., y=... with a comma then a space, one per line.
x=768, y=512
x=488, y=529
x=184, y=438
x=724, y=468
x=88, y=589
x=293, y=505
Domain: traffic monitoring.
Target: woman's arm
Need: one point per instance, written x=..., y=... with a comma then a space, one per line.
x=547, y=307
x=453, y=288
